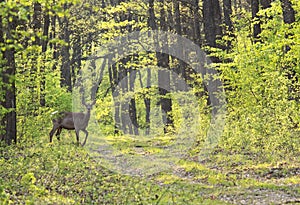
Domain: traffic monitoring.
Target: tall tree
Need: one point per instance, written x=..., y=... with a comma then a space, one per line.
x=46, y=27
x=132, y=77
x=123, y=79
x=179, y=65
x=255, y=6
x=132, y=104
x=8, y=77
x=265, y=3
x=255, y=17
x=227, y=10
x=289, y=19
x=53, y=35
x=113, y=78
x=212, y=21
x=212, y=29
x=65, y=52
x=37, y=25
x=37, y=21
x=196, y=27
x=2, y=97
x=288, y=12
x=152, y=25
x=44, y=44
x=164, y=76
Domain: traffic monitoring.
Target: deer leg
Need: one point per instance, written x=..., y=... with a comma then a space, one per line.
x=52, y=131
x=86, y=135
x=77, y=136
x=58, y=133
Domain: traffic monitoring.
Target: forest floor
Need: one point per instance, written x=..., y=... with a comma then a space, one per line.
x=233, y=178
x=238, y=183
x=63, y=173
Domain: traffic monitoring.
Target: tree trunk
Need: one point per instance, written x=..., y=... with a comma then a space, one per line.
x=113, y=77
x=53, y=36
x=288, y=12
x=65, y=54
x=289, y=18
x=37, y=21
x=265, y=3
x=180, y=68
x=227, y=9
x=44, y=43
x=37, y=88
x=123, y=74
x=76, y=57
x=164, y=77
x=147, y=101
x=197, y=32
x=151, y=19
x=2, y=122
x=212, y=30
x=212, y=21
x=255, y=18
x=46, y=30
x=10, y=119
x=132, y=104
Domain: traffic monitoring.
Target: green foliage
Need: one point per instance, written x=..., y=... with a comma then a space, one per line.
x=262, y=124
x=34, y=120
x=262, y=115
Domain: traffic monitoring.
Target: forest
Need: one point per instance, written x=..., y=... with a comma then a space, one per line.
x=150, y=102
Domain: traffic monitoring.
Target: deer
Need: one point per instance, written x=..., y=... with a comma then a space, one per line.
x=77, y=121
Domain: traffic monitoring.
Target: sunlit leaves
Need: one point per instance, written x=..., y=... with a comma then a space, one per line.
x=258, y=88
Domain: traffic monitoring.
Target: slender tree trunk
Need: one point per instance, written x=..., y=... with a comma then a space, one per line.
x=197, y=32
x=288, y=12
x=53, y=35
x=265, y=3
x=46, y=30
x=113, y=77
x=76, y=57
x=44, y=43
x=127, y=129
x=132, y=80
x=132, y=104
x=2, y=122
x=164, y=77
x=65, y=54
x=212, y=21
x=151, y=19
x=180, y=67
x=37, y=27
x=37, y=21
x=212, y=30
x=256, y=26
x=227, y=9
x=10, y=119
x=147, y=100
x=289, y=18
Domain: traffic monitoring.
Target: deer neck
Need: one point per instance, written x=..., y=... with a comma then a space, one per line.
x=87, y=115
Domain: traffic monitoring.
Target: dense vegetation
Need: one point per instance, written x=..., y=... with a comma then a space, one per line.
x=148, y=134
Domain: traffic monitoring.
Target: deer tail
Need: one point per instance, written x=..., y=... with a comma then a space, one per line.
x=53, y=113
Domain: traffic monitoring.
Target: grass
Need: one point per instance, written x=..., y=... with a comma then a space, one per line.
x=63, y=173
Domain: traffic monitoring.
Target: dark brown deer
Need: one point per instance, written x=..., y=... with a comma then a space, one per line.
x=72, y=121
